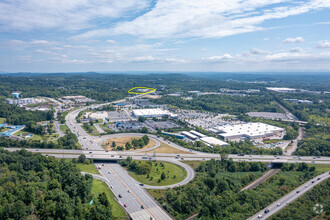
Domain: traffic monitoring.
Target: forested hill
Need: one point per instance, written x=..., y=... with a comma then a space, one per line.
x=34, y=186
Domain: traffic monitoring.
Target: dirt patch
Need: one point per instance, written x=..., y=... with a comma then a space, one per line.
x=121, y=141
x=164, y=148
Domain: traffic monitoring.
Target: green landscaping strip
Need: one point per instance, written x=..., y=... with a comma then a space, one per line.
x=99, y=187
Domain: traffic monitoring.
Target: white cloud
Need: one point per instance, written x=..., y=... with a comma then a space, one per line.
x=323, y=44
x=296, y=50
x=294, y=40
x=207, y=19
x=69, y=15
x=224, y=57
x=42, y=42
x=111, y=42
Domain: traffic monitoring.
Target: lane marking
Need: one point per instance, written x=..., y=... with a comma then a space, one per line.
x=145, y=207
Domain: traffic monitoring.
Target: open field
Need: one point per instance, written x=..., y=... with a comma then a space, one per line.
x=99, y=187
x=164, y=148
x=193, y=164
x=121, y=141
x=173, y=173
x=23, y=133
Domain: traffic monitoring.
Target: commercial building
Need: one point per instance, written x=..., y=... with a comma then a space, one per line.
x=200, y=135
x=152, y=113
x=189, y=135
x=20, y=101
x=249, y=130
x=213, y=141
x=282, y=89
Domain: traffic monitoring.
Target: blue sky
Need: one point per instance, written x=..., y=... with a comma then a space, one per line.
x=164, y=35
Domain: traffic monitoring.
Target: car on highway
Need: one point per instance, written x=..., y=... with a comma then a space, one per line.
x=128, y=191
x=120, y=157
x=306, y=185
x=90, y=152
x=182, y=158
x=125, y=205
x=109, y=172
x=297, y=191
x=176, y=157
x=142, y=207
x=240, y=154
x=102, y=165
x=259, y=216
x=37, y=150
x=119, y=196
x=141, y=184
x=279, y=204
x=267, y=210
x=112, y=156
x=111, y=187
x=318, y=178
x=313, y=181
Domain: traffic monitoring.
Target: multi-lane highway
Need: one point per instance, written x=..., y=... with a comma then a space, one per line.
x=133, y=197
x=292, y=196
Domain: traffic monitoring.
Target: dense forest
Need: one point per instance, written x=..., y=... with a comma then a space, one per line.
x=18, y=116
x=34, y=186
x=316, y=141
x=68, y=141
x=215, y=191
x=223, y=103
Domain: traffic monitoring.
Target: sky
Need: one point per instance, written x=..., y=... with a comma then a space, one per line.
x=164, y=35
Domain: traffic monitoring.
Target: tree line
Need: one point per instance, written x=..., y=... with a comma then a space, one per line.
x=34, y=186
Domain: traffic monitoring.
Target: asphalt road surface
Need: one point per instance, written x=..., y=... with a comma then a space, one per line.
x=139, y=204
x=292, y=196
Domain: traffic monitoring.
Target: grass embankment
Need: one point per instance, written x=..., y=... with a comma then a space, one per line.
x=64, y=128
x=321, y=168
x=99, y=187
x=92, y=130
x=165, y=148
x=121, y=141
x=173, y=174
x=88, y=168
x=2, y=120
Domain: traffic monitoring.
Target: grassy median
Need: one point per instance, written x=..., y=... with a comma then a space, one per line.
x=161, y=174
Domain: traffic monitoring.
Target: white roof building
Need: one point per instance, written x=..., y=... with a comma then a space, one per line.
x=200, y=135
x=249, y=130
x=152, y=113
x=189, y=135
x=214, y=141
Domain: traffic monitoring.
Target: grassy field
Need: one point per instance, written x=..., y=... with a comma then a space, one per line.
x=64, y=128
x=321, y=168
x=23, y=133
x=94, y=133
x=88, y=168
x=121, y=141
x=2, y=120
x=173, y=172
x=99, y=187
x=165, y=148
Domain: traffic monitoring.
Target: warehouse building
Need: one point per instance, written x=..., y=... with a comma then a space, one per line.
x=211, y=141
x=250, y=131
x=152, y=113
x=200, y=135
x=189, y=135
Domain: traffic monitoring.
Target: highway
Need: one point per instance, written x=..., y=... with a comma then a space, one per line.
x=292, y=196
x=121, y=182
x=139, y=203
